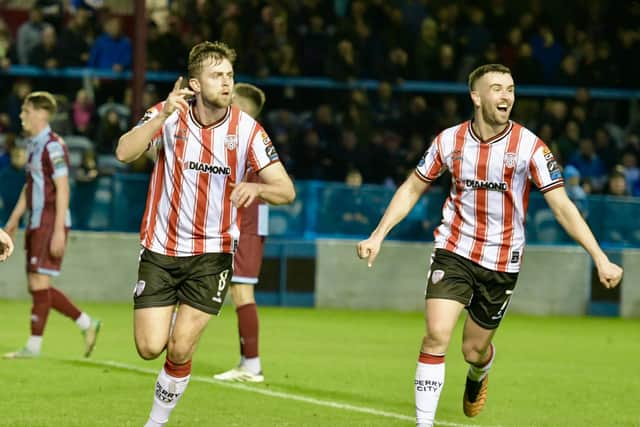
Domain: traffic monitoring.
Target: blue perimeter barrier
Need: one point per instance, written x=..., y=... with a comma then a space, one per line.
x=322, y=82
x=335, y=210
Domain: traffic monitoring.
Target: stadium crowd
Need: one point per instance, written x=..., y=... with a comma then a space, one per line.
x=329, y=134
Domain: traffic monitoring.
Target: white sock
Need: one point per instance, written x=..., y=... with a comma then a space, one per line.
x=477, y=373
x=252, y=364
x=83, y=321
x=168, y=391
x=428, y=385
x=34, y=344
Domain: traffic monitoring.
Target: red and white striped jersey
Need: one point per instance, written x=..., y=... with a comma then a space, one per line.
x=483, y=218
x=189, y=209
x=48, y=159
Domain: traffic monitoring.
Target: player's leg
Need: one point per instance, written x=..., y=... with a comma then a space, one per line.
x=40, y=307
x=441, y=316
x=479, y=353
x=247, y=264
x=492, y=293
x=204, y=280
x=151, y=327
x=155, y=299
x=49, y=264
x=174, y=376
x=448, y=291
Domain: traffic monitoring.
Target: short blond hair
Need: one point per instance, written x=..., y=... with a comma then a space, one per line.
x=475, y=75
x=42, y=100
x=252, y=93
x=207, y=50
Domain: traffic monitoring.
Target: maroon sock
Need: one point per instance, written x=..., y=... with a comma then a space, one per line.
x=62, y=304
x=248, y=330
x=40, y=311
x=177, y=371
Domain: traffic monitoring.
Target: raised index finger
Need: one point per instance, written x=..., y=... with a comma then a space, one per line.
x=177, y=84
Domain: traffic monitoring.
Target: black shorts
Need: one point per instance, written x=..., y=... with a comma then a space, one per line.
x=485, y=293
x=200, y=281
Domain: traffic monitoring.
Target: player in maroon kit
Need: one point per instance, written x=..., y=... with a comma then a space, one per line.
x=46, y=197
x=253, y=222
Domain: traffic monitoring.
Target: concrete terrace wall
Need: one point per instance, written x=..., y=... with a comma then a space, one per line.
x=553, y=280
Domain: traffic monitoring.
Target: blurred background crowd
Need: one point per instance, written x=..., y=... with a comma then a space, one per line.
x=374, y=133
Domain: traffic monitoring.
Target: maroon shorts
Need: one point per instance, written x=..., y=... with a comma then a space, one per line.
x=39, y=259
x=248, y=259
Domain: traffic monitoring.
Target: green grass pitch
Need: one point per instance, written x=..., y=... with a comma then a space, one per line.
x=324, y=368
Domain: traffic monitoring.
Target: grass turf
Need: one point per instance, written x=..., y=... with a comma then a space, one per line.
x=549, y=371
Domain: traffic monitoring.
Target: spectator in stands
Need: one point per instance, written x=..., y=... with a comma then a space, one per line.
x=28, y=36
x=449, y=114
x=312, y=161
x=425, y=54
x=575, y=191
x=396, y=68
x=589, y=164
x=48, y=53
x=548, y=52
x=606, y=147
x=617, y=183
x=110, y=129
x=12, y=176
x=386, y=107
x=82, y=113
x=165, y=49
x=474, y=38
x=567, y=142
x=84, y=191
x=631, y=169
x=343, y=65
x=76, y=37
x=8, y=53
x=527, y=68
x=111, y=51
x=446, y=67
x=11, y=119
x=419, y=118
x=346, y=155
x=314, y=43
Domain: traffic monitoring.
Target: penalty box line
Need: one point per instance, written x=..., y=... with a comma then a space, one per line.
x=266, y=392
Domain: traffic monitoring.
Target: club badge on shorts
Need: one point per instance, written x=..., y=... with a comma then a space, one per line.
x=436, y=276
x=139, y=288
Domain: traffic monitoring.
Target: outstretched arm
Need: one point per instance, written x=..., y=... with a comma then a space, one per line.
x=403, y=201
x=570, y=219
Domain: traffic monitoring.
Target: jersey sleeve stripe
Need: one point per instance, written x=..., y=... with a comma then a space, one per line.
x=551, y=186
x=176, y=195
x=149, y=220
x=459, y=140
x=422, y=177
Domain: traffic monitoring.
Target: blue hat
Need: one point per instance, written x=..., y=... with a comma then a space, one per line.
x=571, y=171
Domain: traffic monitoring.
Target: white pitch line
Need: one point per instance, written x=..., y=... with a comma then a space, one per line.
x=267, y=392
